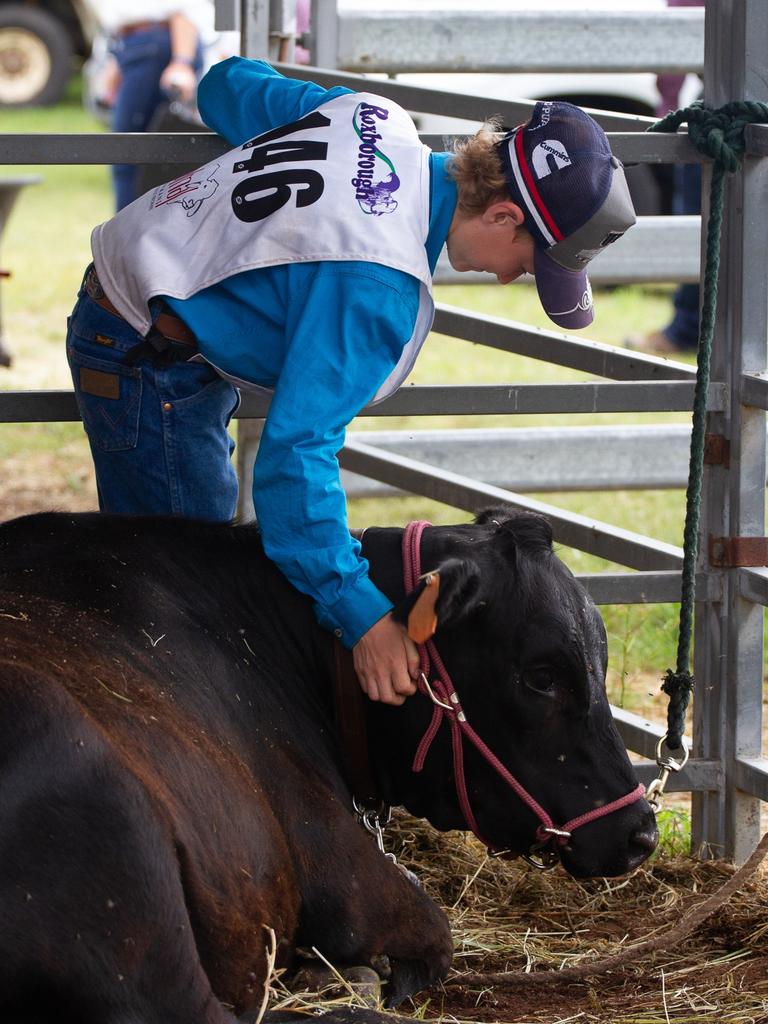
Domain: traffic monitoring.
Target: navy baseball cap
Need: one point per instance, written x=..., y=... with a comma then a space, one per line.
x=574, y=196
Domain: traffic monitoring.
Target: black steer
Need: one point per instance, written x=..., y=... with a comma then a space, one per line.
x=170, y=772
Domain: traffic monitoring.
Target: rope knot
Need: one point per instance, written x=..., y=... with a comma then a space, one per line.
x=717, y=133
x=678, y=686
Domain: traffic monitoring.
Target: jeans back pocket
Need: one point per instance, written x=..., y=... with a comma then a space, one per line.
x=108, y=396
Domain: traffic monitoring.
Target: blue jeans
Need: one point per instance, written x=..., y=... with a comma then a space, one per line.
x=142, y=56
x=683, y=331
x=158, y=434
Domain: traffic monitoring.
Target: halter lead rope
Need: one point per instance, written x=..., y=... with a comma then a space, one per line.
x=719, y=134
x=447, y=705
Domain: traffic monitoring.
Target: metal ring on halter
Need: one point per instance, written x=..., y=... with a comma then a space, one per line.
x=549, y=858
x=381, y=813
x=432, y=697
x=374, y=821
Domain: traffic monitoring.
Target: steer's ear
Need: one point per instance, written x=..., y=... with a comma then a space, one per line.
x=442, y=598
x=518, y=529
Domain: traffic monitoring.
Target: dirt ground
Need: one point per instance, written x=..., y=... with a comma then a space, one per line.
x=62, y=481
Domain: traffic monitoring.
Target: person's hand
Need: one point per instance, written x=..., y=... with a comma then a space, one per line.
x=386, y=661
x=179, y=81
x=109, y=83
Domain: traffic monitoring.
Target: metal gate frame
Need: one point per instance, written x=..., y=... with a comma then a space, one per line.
x=727, y=774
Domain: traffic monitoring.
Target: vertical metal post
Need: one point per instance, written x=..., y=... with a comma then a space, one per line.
x=324, y=34
x=268, y=29
x=254, y=29
x=227, y=15
x=282, y=30
x=729, y=637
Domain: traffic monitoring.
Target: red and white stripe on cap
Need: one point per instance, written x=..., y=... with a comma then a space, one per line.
x=530, y=194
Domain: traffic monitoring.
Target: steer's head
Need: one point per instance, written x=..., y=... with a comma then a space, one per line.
x=525, y=649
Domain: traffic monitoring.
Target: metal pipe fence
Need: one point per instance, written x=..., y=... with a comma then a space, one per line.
x=727, y=774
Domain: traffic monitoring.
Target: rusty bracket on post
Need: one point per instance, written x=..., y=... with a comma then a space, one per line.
x=717, y=450
x=737, y=552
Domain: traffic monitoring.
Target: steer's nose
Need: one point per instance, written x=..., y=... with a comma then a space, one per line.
x=642, y=843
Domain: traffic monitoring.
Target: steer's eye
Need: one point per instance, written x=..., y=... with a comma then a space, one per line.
x=540, y=680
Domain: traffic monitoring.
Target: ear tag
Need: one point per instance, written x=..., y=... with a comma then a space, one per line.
x=422, y=621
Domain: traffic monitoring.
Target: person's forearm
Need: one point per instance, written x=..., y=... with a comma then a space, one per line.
x=183, y=39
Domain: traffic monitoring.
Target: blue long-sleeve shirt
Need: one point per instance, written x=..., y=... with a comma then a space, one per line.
x=324, y=336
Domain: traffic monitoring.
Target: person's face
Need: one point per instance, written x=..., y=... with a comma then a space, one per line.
x=495, y=241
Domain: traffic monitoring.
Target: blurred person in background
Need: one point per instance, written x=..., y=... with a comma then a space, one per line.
x=681, y=334
x=155, y=49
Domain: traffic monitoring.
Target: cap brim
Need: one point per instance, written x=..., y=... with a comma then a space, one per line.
x=565, y=294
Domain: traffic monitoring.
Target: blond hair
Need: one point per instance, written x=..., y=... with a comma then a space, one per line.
x=476, y=168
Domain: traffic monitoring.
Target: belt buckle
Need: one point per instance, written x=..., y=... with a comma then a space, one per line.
x=93, y=285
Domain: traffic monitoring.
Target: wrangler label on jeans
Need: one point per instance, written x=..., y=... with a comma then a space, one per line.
x=102, y=385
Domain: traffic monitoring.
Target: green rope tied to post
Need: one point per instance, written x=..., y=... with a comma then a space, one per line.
x=718, y=134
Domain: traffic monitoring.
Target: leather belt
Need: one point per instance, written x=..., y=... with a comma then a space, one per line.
x=166, y=324
x=140, y=26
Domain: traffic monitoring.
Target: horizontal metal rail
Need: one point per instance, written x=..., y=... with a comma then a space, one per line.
x=632, y=587
x=750, y=774
x=645, y=587
x=555, y=347
x=427, y=100
x=434, y=400
x=631, y=147
x=754, y=391
x=753, y=585
x=698, y=776
x=590, y=535
x=568, y=458
x=487, y=37
x=112, y=148
x=198, y=148
x=531, y=399
x=656, y=249
x=756, y=139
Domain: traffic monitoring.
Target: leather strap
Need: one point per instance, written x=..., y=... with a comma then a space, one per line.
x=353, y=735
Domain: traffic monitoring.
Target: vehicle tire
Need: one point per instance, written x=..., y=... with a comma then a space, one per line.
x=35, y=56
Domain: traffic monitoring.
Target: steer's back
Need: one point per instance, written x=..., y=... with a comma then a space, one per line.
x=124, y=786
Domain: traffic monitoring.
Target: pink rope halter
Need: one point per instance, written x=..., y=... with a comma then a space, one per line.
x=447, y=705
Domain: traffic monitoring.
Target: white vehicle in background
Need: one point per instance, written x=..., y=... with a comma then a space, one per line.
x=633, y=93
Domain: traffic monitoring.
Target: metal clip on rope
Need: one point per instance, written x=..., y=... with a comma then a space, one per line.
x=667, y=765
x=375, y=820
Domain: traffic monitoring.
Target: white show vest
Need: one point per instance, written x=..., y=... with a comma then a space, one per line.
x=348, y=181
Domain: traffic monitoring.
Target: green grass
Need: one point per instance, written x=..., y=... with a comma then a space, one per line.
x=674, y=827
x=46, y=245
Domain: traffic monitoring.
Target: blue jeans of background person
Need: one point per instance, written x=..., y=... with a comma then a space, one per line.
x=142, y=56
x=683, y=331
x=158, y=435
